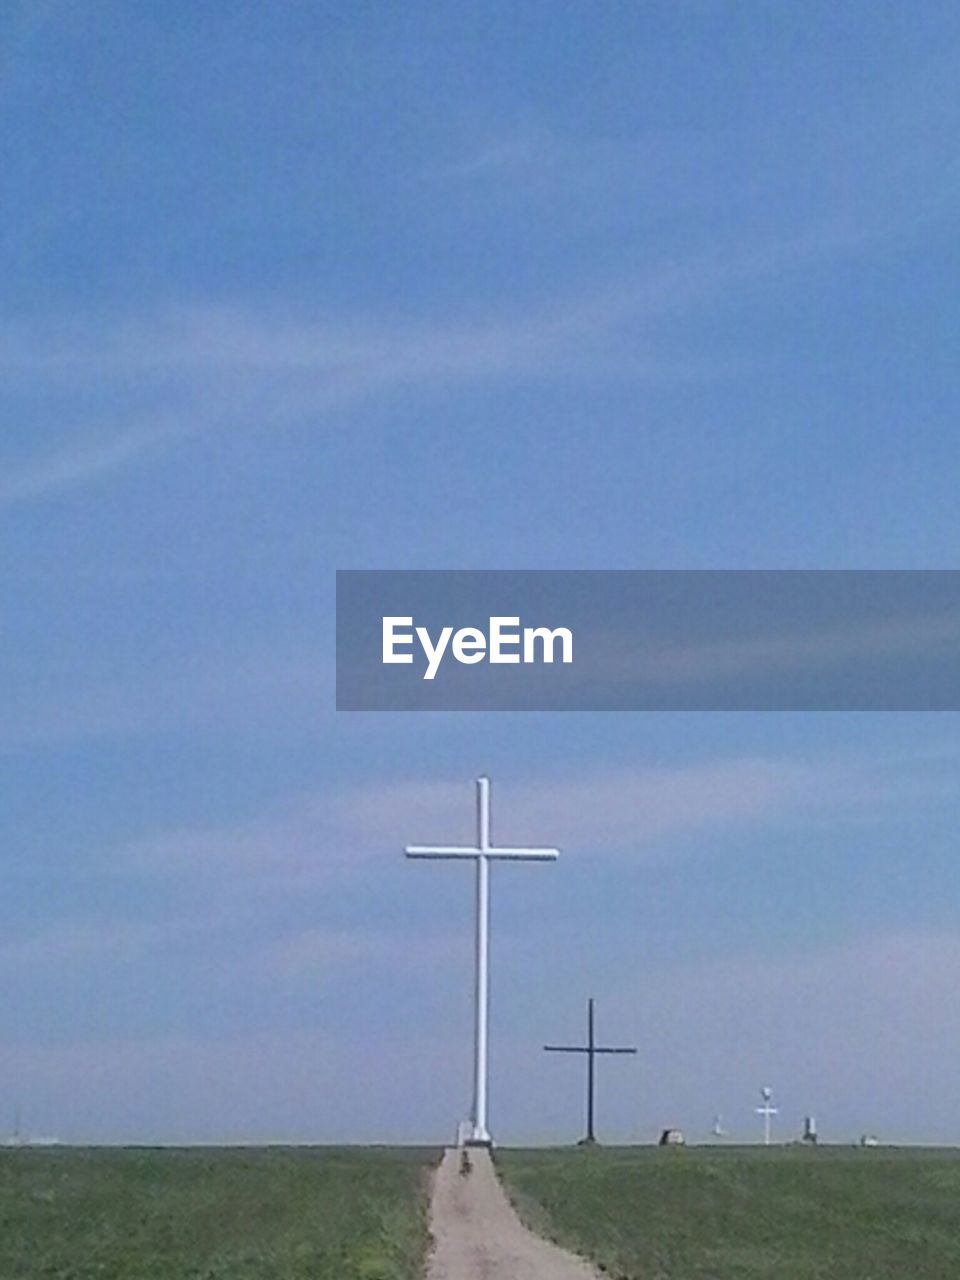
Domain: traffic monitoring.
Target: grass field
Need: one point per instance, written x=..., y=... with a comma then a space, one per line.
x=743, y=1214
x=225, y=1214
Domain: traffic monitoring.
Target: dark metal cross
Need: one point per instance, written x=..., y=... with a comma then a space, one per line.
x=591, y=1049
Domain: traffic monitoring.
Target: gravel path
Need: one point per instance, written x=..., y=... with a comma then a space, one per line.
x=477, y=1235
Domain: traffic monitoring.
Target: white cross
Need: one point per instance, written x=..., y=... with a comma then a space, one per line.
x=767, y=1111
x=483, y=852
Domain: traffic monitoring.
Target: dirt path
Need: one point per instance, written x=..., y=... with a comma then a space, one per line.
x=477, y=1235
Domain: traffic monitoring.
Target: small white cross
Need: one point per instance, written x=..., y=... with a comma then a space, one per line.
x=768, y=1112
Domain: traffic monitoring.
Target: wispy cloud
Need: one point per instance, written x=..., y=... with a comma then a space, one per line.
x=311, y=952
x=77, y=941
x=210, y=348
x=188, y=692
x=233, y=371
x=193, y=370
x=642, y=814
x=78, y=464
x=517, y=151
x=187, y=370
x=890, y=161
x=624, y=810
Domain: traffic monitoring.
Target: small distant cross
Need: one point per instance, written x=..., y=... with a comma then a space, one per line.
x=768, y=1111
x=591, y=1049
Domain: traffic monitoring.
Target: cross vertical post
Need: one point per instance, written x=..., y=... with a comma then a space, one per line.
x=591, y=1054
x=483, y=853
x=482, y=975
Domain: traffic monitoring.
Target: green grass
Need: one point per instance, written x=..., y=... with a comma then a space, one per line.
x=214, y=1214
x=743, y=1214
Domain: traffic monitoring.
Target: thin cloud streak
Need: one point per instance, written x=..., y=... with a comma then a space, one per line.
x=76, y=465
x=232, y=368
x=220, y=692
x=645, y=814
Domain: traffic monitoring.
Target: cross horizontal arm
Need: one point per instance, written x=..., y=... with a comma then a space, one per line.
x=441, y=851
x=506, y=853
x=579, y=1048
x=503, y=853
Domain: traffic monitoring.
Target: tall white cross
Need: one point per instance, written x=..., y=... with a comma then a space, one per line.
x=483, y=853
x=768, y=1112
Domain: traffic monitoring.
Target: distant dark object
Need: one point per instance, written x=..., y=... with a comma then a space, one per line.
x=810, y=1130
x=591, y=1049
x=672, y=1138
x=465, y=1165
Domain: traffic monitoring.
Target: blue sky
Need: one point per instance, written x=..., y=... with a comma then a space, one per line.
x=319, y=286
